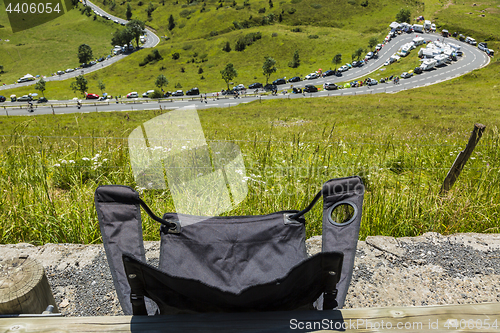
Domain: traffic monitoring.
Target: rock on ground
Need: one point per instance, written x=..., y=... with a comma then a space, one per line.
x=411, y=271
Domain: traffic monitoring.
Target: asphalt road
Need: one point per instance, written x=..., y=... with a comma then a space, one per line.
x=471, y=59
x=151, y=41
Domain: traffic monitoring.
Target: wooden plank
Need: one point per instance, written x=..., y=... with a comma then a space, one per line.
x=462, y=158
x=471, y=318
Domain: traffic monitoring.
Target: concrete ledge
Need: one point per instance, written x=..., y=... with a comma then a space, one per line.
x=411, y=271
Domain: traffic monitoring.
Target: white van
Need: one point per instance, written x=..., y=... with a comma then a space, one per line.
x=418, y=28
x=133, y=94
x=418, y=41
x=470, y=40
x=147, y=93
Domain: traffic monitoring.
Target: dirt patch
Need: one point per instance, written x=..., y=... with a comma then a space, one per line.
x=281, y=123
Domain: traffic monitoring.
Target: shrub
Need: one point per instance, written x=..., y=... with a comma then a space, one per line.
x=298, y=29
x=178, y=86
x=156, y=94
x=292, y=11
x=313, y=36
x=240, y=45
x=262, y=10
x=316, y=5
x=187, y=47
x=275, y=34
x=175, y=55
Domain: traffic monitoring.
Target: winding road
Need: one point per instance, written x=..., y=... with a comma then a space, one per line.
x=151, y=41
x=472, y=58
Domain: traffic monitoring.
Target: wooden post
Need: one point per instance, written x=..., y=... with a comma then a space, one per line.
x=462, y=158
x=24, y=288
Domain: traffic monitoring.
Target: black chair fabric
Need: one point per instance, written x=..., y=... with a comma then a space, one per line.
x=242, y=263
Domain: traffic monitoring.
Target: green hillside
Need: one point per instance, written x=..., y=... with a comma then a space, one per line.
x=50, y=47
x=317, y=30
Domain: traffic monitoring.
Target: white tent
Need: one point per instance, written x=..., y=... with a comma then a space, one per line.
x=394, y=25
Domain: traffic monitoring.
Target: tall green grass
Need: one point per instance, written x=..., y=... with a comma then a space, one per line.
x=402, y=146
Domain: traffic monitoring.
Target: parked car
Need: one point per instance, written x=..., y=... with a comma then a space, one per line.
x=310, y=88
x=433, y=27
x=279, y=81
x=239, y=87
x=255, y=85
x=357, y=63
x=369, y=55
x=378, y=47
x=371, y=82
x=331, y=86
x=417, y=70
x=193, y=91
x=69, y=70
x=2, y=98
x=406, y=75
x=343, y=68
x=60, y=72
x=461, y=38
x=311, y=76
x=42, y=100
x=270, y=87
x=92, y=96
x=25, y=98
x=470, y=40
x=147, y=93
x=133, y=94
x=178, y=93
x=483, y=46
x=329, y=72
x=294, y=79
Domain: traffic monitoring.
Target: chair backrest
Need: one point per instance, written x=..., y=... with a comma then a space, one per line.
x=231, y=254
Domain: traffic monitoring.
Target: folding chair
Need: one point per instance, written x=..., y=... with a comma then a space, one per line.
x=230, y=264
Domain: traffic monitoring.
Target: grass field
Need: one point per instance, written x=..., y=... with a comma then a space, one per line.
x=50, y=47
x=401, y=144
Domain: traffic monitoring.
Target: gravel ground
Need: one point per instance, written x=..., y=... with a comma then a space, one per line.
x=427, y=270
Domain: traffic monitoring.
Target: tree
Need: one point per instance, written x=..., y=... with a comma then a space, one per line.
x=227, y=47
x=80, y=84
x=150, y=9
x=136, y=28
x=295, y=61
x=101, y=86
x=84, y=53
x=228, y=74
x=1, y=69
x=372, y=42
x=128, y=14
x=403, y=15
x=359, y=52
x=171, y=22
x=269, y=68
x=40, y=86
x=122, y=37
x=240, y=45
x=161, y=81
x=337, y=59
x=271, y=5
